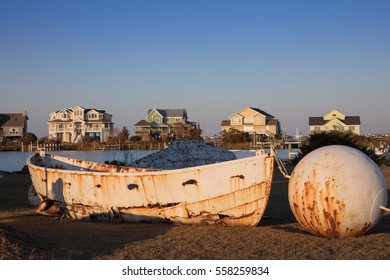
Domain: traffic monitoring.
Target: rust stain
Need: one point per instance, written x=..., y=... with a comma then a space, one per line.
x=316, y=208
x=365, y=227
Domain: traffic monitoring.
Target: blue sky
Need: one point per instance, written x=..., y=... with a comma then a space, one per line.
x=292, y=59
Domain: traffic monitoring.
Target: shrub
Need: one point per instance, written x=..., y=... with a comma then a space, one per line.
x=318, y=140
x=235, y=136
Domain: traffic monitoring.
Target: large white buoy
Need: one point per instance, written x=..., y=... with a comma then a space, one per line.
x=337, y=191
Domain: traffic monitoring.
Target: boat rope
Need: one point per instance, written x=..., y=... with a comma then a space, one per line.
x=385, y=209
x=281, y=166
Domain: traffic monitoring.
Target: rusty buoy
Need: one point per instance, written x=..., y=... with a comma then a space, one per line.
x=337, y=191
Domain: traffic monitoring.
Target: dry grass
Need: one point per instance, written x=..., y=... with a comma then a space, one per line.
x=274, y=242
x=27, y=235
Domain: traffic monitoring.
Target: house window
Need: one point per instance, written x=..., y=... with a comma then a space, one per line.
x=352, y=128
x=157, y=120
x=317, y=129
x=235, y=120
x=338, y=128
x=248, y=120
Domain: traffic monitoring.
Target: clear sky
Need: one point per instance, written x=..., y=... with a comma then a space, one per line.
x=292, y=59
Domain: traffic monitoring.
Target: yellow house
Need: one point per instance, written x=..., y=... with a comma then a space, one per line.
x=252, y=120
x=335, y=120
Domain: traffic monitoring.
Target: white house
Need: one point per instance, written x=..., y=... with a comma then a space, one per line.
x=70, y=124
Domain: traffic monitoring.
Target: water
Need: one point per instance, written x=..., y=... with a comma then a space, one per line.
x=282, y=153
x=14, y=161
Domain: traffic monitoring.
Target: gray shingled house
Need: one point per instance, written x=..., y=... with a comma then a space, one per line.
x=13, y=125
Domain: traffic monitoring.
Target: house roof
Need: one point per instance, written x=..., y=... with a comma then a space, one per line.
x=158, y=125
x=349, y=120
x=352, y=120
x=70, y=110
x=66, y=121
x=170, y=113
x=261, y=112
x=225, y=123
x=92, y=109
x=13, y=119
x=317, y=121
x=142, y=123
x=256, y=110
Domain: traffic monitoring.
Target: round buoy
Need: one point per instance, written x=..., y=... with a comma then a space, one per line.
x=337, y=191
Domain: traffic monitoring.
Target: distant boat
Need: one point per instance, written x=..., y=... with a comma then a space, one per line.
x=233, y=192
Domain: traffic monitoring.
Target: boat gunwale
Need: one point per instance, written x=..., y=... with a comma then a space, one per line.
x=150, y=172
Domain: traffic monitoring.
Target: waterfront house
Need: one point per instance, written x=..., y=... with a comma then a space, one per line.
x=13, y=126
x=252, y=120
x=334, y=120
x=163, y=123
x=71, y=124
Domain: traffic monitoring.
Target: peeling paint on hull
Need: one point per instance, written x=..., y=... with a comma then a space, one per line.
x=231, y=193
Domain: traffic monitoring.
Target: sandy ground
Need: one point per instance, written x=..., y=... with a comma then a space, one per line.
x=24, y=234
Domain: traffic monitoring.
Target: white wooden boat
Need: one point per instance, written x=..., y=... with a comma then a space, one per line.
x=233, y=192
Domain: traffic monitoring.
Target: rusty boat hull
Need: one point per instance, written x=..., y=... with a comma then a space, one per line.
x=231, y=193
